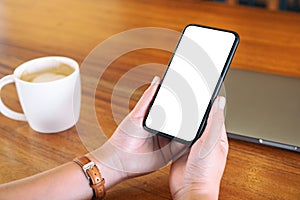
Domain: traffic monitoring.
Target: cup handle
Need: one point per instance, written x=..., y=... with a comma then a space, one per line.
x=5, y=110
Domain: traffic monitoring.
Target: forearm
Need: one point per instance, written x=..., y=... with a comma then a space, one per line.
x=64, y=182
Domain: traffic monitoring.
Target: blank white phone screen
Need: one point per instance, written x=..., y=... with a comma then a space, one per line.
x=189, y=82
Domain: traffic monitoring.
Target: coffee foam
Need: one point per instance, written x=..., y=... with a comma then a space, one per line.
x=47, y=74
x=47, y=77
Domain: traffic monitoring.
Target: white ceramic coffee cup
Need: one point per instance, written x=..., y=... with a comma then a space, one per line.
x=48, y=107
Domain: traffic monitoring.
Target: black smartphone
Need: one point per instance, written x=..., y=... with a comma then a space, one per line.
x=181, y=105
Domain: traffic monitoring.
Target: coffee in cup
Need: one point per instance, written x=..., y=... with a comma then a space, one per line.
x=49, y=74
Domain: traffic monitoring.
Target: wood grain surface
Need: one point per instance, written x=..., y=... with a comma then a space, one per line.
x=270, y=42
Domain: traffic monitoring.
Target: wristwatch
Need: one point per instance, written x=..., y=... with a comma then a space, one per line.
x=93, y=175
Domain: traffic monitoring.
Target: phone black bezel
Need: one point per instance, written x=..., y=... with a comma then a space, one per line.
x=215, y=92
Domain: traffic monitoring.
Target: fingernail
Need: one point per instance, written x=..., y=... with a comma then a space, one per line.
x=155, y=80
x=222, y=102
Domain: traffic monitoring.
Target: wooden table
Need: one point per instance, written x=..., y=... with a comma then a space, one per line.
x=270, y=42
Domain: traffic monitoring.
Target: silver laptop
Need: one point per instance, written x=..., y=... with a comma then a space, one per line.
x=263, y=108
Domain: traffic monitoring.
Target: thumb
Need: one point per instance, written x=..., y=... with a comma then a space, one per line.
x=143, y=104
x=214, y=129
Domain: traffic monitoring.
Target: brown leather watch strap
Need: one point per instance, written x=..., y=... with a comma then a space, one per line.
x=93, y=174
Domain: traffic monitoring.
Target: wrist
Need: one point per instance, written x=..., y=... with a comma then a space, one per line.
x=199, y=192
x=108, y=165
x=198, y=196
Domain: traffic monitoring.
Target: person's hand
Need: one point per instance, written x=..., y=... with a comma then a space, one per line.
x=197, y=174
x=132, y=151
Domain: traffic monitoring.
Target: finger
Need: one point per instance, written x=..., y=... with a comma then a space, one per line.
x=213, y=131
x=219, y=103
x=224, y=142
x=171, y=149
x=142, y=105
x=215, y=108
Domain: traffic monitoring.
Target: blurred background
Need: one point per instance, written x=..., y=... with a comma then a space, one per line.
x=285, y=5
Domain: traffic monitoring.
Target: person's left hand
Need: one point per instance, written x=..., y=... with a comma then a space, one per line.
x=132, y=150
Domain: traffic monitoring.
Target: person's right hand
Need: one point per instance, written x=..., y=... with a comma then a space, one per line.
x=197, y=174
